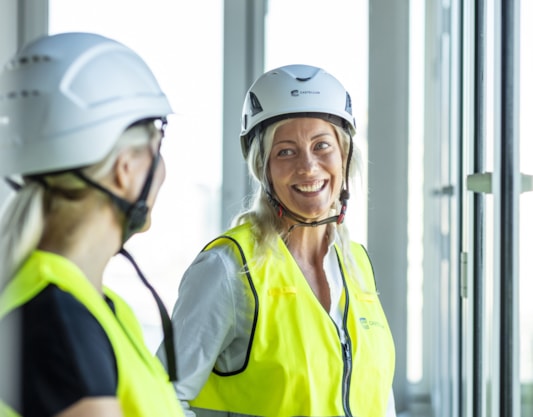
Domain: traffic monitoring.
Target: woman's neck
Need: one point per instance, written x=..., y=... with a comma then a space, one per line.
x=309, y=246
x=89, y=240
x=309, y=243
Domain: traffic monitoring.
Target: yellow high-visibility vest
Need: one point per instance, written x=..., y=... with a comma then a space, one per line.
x=144, y=389
x=297, y=364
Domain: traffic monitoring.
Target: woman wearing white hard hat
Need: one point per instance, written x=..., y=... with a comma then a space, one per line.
x=280, y=316
x=81, y=122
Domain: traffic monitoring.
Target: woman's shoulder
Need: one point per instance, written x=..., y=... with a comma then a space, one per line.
x=56, y=317
x=235, y=234
x=218, y=259
x=358, y=248
x=60, y=337
x=232, y=244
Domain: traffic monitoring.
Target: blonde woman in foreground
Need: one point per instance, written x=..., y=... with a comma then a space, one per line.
x=82, y=123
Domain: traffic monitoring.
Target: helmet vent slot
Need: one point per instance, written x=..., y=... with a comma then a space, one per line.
x=348, y=107
x=13, y=95
x=255, y=104
x=27, y=60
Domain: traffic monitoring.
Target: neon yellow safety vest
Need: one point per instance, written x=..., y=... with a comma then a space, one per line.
x=144, y=389
x=297, y=364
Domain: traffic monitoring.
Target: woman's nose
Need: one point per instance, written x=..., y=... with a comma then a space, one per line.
x=306, y=163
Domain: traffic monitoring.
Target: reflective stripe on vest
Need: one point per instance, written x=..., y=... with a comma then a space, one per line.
x=297, y=365
x=143, y=386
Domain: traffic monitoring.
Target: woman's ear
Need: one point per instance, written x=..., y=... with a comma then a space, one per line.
x=130, y=170
x=123, y=173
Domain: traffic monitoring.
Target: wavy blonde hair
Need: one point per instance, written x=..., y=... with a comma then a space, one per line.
x=266, y=226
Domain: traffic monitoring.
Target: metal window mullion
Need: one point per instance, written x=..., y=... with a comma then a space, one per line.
x=479, y=208
x=244, y=46
x=508, y=205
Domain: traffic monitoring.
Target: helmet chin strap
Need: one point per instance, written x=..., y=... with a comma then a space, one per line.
x=135, y=218
x=301, y=222
x=135, y=213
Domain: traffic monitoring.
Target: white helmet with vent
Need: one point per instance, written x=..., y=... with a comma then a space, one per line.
x=294, y=91
x=65, y=99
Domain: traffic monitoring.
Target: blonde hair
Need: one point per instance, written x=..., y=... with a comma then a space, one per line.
x=23, y=216
x=266, y=226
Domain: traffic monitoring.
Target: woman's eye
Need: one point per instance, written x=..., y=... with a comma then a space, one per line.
x=285, y=152
x=322, y=145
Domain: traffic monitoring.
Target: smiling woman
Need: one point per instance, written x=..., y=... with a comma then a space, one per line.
x=287, y=272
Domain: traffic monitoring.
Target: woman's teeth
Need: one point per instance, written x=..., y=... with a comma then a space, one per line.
x=310, y=188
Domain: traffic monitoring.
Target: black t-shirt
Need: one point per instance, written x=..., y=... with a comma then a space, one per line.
x=65, y=354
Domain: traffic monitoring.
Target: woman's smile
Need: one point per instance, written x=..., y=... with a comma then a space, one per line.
x=310, y=188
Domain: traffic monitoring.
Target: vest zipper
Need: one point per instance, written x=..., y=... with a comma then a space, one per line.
x=346, y=377
x=346, y=347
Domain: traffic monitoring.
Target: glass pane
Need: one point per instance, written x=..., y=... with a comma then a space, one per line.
x=415, y=232
x=526, y=208
x=488, y=359
x=168, y=34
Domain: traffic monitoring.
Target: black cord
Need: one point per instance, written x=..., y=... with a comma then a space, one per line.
x=168, y=331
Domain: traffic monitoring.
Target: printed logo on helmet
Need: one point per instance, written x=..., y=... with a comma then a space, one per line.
x=296, y=93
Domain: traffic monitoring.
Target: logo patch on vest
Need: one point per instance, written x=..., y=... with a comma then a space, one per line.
x=368, y=324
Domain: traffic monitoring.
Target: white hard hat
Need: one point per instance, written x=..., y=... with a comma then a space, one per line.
x=65, y=99
x=294, y=91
